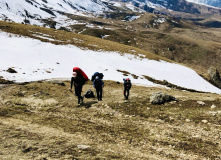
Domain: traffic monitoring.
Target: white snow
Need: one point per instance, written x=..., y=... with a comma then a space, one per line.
x=17, y=10
x=35, y=60
x=160, y=20
x=209, y=3
x=134, y=18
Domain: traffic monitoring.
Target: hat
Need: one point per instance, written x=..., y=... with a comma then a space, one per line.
x=74, y=74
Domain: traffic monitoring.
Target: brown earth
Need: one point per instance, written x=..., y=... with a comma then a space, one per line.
x=41, y=120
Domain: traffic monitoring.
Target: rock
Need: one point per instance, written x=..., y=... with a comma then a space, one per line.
x=161, y=98
x=83, y=146
x=187, y=120
x=171, y=119
x=200, y=102
x=10, y=70
x=214, y=77
x=204, y=121
x=213, y=106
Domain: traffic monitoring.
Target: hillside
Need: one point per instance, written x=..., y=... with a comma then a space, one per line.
x=58, y=52
x=184, y=32
x=193, y=42
x=41, y=120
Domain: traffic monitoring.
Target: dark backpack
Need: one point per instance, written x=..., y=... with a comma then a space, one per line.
x=89, y=94
x=127, y=83
x=100, y=75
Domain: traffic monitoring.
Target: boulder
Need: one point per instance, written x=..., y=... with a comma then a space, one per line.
x=214, y=77
x=161, y=98
x=11, y=70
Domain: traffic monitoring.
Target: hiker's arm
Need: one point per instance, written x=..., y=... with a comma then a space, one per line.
x=129, y=86
x=94, y=84
x=71, y=82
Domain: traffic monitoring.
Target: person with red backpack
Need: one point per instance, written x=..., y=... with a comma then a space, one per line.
x=127, y=86
x=98, y=84
x=79, y=78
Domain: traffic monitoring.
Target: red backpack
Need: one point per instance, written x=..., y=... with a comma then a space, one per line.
x=79, y=71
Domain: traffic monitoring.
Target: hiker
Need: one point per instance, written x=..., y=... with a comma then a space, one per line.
x=78, y=78
x=127, y=86
x=98, y=84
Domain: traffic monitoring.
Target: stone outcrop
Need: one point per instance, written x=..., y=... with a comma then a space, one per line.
x=161, y=98
x=214, y=77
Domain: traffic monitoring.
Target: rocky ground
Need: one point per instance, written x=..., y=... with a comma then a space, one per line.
x=41, y=120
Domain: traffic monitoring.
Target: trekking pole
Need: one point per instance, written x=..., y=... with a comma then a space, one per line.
x=73, y=93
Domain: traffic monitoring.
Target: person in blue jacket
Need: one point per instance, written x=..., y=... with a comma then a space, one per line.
x=98, y=84
x=127, y=86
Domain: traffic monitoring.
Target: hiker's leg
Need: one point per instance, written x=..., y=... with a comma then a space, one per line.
x=125, y=93
x=79, y=100
x=101, y=91
x=128, y=92
x=78, y=90
x=97, y=91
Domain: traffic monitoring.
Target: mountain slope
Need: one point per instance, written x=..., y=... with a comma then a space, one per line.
x=30, y=58
x=214, y=3
x=35, y=11
x=41, y=120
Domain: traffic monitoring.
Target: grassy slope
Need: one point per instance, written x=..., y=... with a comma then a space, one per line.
x=41, y=120
x=62, y=37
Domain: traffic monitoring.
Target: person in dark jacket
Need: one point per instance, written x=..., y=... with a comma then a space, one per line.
x=78, y=81
x=127, y=86
x=98, y=84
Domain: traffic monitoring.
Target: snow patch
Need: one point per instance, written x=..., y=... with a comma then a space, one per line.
x=35, y=60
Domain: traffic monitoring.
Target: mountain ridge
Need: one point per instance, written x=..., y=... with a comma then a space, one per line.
x=38, y=12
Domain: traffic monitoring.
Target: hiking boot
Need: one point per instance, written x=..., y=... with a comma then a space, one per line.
x=82, y=99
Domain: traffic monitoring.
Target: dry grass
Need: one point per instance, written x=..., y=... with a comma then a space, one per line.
x=109, y=129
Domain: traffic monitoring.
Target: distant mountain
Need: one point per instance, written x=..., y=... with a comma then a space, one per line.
x=185, y=6
x=60, y=13
x=214, y=3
